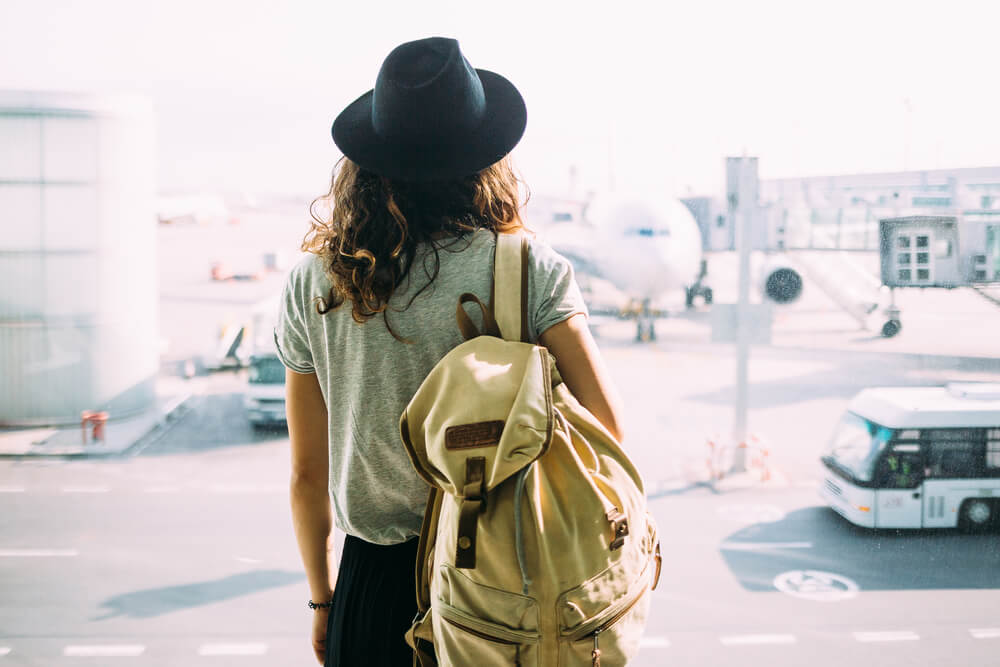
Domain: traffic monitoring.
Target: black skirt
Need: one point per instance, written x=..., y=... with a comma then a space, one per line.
x=374, y=603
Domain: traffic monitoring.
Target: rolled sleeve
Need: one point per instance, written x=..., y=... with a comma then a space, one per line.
x=555, y=295
x=291, y=337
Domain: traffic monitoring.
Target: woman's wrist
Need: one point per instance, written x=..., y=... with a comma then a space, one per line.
x=321, y=603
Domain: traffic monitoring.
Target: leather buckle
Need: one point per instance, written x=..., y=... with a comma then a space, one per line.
x=619, y=528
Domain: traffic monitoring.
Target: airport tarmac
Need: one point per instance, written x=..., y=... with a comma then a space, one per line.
x=182, y=551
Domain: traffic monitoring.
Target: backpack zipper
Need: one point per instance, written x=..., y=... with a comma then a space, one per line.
x=595, y=654
x=479, y=633
x=489, y=638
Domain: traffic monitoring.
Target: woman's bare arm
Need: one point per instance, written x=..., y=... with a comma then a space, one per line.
x=311, y=517
x=583, y=370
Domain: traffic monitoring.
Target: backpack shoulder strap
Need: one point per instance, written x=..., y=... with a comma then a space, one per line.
x=510, y=286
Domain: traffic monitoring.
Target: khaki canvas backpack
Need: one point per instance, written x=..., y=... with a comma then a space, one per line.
x=536, y=548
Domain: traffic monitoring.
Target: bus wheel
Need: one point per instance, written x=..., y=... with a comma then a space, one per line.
x=976, y=514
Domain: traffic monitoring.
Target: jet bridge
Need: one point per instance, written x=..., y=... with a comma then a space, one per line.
x=850, y=285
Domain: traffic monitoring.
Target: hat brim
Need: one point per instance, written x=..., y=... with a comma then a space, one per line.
x=501, y=128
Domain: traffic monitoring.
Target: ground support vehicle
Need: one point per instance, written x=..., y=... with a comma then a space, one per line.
x=917, y=457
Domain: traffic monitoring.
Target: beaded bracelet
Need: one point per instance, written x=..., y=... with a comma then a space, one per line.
x=320, y=605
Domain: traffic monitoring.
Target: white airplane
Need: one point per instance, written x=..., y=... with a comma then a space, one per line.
x=644, y=248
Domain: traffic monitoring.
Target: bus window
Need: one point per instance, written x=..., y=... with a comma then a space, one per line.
x=856, y=445
x=900, y=470
x=993, y=452
x=954, y=453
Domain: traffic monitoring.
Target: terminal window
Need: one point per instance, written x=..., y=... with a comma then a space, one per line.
x=905, y=274
x=923, y=241
x=904, y=258
x=904, y=242
x=923, y=274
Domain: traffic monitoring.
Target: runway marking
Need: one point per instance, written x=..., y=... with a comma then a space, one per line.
x=763, y=546
x=86, y=489
x=162, y=489
x=985, y=633
x=11, y=489
x=247, y=488
x=32, y=553
x=108, y=651
x=232, y=649
x=755, y=640
x=654, y=642
x=816, y=585
x=890, y=636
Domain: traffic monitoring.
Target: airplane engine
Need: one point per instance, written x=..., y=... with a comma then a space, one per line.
x=781, y=282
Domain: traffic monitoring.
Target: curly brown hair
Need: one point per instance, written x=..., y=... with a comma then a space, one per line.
x=369, y=234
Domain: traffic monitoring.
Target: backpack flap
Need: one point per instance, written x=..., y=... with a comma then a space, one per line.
x=487, y=399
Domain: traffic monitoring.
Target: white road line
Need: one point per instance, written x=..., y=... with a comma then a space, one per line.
x=247, y=488
x=763, y=546
x=108, y=651
x=162, y=489
x=232, y=649
x=891, y=636
x=985, y=633
x=86, y=489
x=11, y=489
x=654, y=642
x=33, y=553
x=752, y=640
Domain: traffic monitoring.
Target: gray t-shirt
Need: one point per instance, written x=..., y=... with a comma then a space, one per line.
x=368, y=377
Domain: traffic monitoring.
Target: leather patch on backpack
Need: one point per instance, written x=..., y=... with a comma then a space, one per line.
x=467, y=436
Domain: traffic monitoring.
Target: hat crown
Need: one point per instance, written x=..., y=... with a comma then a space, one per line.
x=425, y=91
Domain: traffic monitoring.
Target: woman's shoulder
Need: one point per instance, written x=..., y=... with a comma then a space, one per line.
x=305, y=281
x=543, y=258
x=307, y=270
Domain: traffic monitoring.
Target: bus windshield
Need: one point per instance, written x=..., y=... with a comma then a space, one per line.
x=266, y=370
x=856, y=445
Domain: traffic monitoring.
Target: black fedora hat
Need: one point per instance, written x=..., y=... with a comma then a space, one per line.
x=431, y=116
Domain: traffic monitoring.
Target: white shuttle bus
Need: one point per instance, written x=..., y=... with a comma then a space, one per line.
x=917, y=457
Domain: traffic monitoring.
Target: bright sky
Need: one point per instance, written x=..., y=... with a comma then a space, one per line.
x=654, y=93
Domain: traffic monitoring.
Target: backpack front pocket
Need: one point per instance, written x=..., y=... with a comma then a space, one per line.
x=462, y=640
x=612, y=642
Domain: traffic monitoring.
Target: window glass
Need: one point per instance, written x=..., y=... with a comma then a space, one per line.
x=904, y=242
x=993, y=449
x=856, y=444
x=20, y=157
x=69, y=150
x=922, y=241
x=21, y=207
x=954, y=453
x=904, y=274
x=923, y=274
x=900, y=469
x=905, y=257
x=266, y=370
